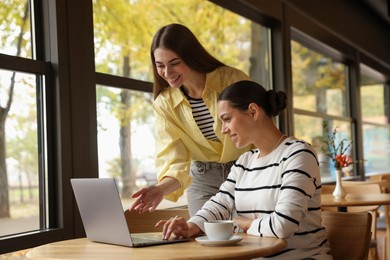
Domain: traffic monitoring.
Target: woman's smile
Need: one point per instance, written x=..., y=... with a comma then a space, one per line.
x=173, y=81
x=234, y=138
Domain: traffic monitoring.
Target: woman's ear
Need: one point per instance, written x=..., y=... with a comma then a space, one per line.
x=253, y=110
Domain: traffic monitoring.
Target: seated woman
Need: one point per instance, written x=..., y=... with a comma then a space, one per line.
x=275, y=188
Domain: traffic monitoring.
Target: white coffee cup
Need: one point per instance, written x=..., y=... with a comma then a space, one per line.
x=220, y=229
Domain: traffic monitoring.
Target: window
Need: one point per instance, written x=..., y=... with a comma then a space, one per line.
x=123, y=35
x=320, y=94
x=22, y=155
x=126, y=114
x=374, y=98
x=122, y=50
x=23, y=124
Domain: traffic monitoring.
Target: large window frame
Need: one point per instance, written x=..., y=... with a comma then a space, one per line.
x=380, y=79
x=316, y=46
x=108, y=80
x=36, y=65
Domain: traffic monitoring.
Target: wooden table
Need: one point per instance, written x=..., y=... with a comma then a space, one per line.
x=350, y=200
x=82, y=248
x=363, y=199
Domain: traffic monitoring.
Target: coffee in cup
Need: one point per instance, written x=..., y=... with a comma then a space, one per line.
x=220, y=229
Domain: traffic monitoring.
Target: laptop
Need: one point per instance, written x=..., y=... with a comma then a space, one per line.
x=103, y=217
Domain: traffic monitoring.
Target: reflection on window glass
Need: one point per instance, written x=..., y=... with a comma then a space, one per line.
x=372, y=89
x=319, y=83
x=376, y=143
x=19, y=171
x=123, y=35
x=315, y=135
x=375, y=121
x=15, y=38
x=126, y=138
x=373, y=106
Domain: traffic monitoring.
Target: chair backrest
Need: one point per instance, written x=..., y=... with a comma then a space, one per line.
x=384, y=178
x=349, y=234
x=355, y=187
x=139, y=223
x=383, y=184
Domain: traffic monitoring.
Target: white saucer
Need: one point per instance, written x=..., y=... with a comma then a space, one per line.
x=205, y=241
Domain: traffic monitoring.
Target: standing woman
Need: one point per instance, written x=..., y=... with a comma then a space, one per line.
x=190, y=149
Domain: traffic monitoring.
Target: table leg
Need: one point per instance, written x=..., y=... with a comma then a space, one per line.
x=342, y=209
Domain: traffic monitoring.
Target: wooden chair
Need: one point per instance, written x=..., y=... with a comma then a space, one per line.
x=356, y=187
x=349, y=234
x=385, y=179
x=384, y=186
x=139, y=223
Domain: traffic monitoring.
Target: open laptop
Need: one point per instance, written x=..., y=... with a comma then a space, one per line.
x=103, y=216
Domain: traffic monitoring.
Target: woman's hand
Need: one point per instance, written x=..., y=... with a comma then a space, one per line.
x=179, y=227
x=148, y=199
x=243, y=223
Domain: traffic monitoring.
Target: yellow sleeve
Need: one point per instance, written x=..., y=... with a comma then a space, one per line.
x=172, y=157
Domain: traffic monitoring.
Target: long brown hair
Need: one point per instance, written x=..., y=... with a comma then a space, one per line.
x=182, y=41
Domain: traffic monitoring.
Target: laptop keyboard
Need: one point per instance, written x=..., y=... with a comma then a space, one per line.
x=153, y=239
x=145, y=239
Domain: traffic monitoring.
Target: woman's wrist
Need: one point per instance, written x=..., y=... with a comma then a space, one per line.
x=168, y=185
x=193, y=229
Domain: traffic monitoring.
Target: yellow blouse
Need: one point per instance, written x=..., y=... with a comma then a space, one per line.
x=179, y=139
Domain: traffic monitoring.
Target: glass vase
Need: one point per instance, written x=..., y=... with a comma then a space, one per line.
x=339, y=192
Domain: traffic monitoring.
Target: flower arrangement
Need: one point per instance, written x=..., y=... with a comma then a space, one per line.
x=336, y=152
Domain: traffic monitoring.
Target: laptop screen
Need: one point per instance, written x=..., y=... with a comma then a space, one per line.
x=101, y=210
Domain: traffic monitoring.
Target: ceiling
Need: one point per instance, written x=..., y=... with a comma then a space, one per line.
x=381, y=8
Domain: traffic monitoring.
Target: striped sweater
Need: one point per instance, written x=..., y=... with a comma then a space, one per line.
x=281, y=192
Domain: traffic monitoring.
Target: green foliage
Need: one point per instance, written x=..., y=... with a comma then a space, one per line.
x=14, y=40
x=15, y=28
x=114, y=168
x=122, y=28
x=123, y=35
x=373, y=107
x=312, y=70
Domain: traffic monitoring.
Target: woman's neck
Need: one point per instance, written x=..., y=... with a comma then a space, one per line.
x=195, y=86
x=272, y=145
